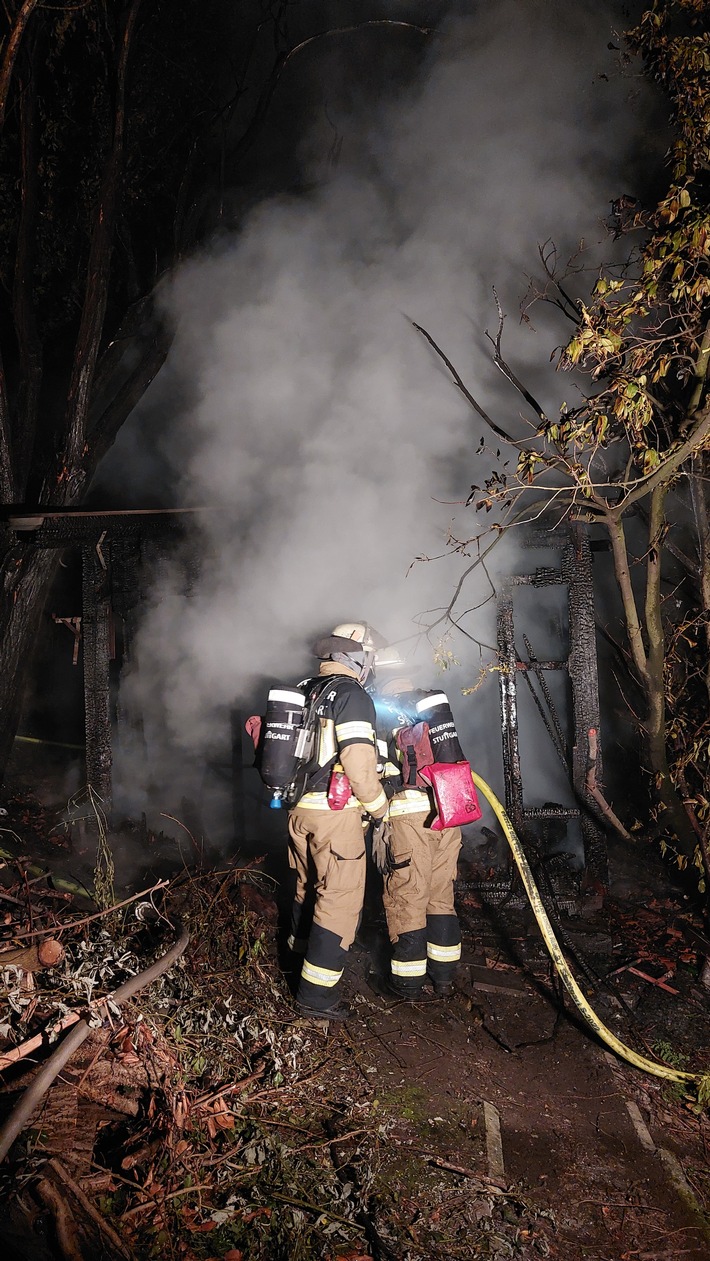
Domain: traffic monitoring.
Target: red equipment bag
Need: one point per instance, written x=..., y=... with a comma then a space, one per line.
x=454, y=794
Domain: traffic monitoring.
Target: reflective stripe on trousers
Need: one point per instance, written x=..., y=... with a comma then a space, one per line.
x=433, y=951
x=322, y=969
x=443, y=947
x=409, y=960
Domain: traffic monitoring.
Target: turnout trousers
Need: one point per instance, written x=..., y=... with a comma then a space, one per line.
x=419, y=903
x=327, y=852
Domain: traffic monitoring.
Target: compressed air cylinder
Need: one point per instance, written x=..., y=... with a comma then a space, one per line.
x=436, y=712
x=282, y=723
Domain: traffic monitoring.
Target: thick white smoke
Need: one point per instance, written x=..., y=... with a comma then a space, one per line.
x=313, y=419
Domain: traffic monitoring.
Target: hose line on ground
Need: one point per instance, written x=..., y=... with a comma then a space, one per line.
x=701, y=1081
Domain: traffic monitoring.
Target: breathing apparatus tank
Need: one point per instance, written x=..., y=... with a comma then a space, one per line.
x=279, y=740
x=435, y=711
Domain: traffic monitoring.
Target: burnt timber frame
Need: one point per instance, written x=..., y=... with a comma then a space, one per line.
x=581, y=665
x=112, y=545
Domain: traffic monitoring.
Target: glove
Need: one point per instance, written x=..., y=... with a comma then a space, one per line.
x=381, y=847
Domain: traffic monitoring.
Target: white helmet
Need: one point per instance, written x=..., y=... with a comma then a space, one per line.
x=389, y=659
x=354, y=643
x=362, y=633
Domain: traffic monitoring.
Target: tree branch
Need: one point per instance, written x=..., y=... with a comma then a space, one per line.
x=103, y=433
x=28, y=341
x=670, y=466
x=500, y=433
x=615, y=527
x=97, y=281
x=283, y=59
x=12, y=49
x=503, y=367
x=137, y=318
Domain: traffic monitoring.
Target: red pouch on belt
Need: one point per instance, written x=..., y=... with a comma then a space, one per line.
x=339, y=790
x=454, y=794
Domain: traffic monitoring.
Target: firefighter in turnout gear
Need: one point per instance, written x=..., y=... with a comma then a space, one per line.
x=418, y=891
x=326, y=838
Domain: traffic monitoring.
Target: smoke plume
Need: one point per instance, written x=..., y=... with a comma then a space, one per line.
x=307, y=413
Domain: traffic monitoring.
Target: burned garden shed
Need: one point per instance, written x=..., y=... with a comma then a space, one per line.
x=117, y=548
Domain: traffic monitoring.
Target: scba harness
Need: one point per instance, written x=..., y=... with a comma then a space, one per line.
x=432, y=758
x=286, y=739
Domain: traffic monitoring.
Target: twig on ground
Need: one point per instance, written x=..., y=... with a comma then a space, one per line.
x=173, y=1195
x=87, y=919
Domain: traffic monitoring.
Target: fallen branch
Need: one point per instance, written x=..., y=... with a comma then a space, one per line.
x=596, y=793
x=34, y=958
x=68, y=1182
x=87, y=919
x=315, y=1208
x=234, y=1088
x=64, y=1223
x=33, y=1044
x=484, y=1182
x=652, y=980
x=22, y=1112
x=158, y=1204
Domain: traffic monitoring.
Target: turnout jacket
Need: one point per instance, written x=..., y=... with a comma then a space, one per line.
x=346, y=741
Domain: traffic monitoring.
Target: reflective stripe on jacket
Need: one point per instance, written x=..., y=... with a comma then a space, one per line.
x=346, y=740
x=409, y=801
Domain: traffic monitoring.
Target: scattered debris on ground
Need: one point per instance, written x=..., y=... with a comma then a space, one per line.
x=199, y=1118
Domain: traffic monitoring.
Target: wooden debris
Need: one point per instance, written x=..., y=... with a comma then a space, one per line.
x=652, y=980
x=34, y=958
x=81, y=1230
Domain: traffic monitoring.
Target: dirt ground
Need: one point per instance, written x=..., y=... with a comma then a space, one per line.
x=492, y=1124
x=499, y=1080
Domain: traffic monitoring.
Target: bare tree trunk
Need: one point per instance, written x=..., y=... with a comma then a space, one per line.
x=25, y=572
x=649, y=662
x=28, y=340
x=72, y=471
x=655, y=691
x=702, y=523
x=12, y=48
x=7, y=468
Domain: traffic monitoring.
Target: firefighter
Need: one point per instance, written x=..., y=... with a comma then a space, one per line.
x=419, y=875
x=326, y=836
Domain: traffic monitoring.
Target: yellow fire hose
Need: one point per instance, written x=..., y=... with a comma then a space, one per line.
x=700, y=1081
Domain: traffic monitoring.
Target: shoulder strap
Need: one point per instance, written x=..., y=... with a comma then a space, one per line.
x=317, y=687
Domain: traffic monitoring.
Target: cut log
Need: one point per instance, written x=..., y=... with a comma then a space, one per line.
x=34, y=958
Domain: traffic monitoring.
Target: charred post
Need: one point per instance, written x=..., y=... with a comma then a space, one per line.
x=582, y=667
x=96, y=625
x=583, y=720
x=507, y=659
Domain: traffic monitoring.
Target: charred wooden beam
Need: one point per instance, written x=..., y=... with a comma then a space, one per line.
x=97, y=636
x=575, y=572
x=577, y=568
x=507, y=658
x=52, y=528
